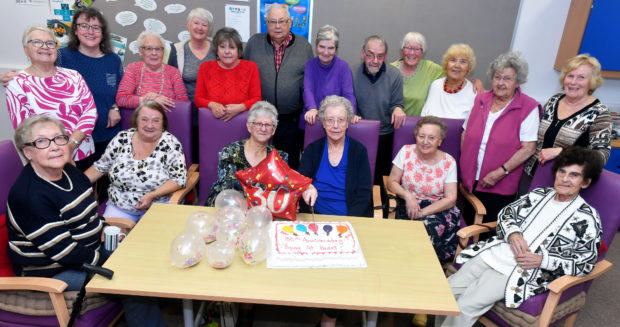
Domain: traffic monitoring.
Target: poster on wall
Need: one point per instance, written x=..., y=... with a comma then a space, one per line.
x=301, y=14
x=119, y=44
x=238, y=17
x=61, y=30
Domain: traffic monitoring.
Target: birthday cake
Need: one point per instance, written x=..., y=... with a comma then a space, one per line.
x=314, y=245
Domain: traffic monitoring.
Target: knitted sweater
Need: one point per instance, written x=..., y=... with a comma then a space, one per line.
x=139, y=81
x=228, y=86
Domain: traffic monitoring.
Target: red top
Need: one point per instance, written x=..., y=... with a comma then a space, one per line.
x=228, y=86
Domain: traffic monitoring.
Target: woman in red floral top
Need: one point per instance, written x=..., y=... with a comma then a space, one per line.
x=424, y=178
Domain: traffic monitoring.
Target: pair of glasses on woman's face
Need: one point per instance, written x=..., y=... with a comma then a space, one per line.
x=85, y=27
x=149, y=49
x=39, y=43
x=44, y=143
x=262, y=125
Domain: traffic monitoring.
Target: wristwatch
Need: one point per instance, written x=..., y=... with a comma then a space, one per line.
x=506, y=171
x=74, y=141
x=114, y=107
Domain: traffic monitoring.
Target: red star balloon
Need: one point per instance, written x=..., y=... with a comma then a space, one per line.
x=274, y=184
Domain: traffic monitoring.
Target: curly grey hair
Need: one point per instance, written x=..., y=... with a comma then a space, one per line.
x=263, y=109
x=327, y=33
x=148, y=33
x=333, y=101
x=23, y=133
x=510, y=60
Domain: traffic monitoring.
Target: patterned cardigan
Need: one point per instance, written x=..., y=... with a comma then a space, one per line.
x=568, y=243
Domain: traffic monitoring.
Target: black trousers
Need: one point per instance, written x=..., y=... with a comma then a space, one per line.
x=289, y=138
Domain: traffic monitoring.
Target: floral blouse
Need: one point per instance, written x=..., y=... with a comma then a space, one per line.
x=425, y=181
x=130, y=179
x=232, y=159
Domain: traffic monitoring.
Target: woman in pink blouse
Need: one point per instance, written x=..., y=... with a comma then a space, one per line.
x=151, y=79
x=45, y=89
x=424, y=178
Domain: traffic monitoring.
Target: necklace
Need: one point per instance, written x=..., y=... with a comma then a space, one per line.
x=445, y=87
x=161, y=84
x=55, y=185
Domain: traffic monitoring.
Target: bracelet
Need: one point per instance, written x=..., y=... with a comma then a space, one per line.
x=506, y=171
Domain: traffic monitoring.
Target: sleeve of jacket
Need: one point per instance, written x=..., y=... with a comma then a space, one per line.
x=360, y=202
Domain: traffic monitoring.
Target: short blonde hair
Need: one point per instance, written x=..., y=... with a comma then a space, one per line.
x=201, y=14
x=33, y=28
x=596, y=79
x=456, y=50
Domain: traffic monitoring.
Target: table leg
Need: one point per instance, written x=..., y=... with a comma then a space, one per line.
x=188, y=313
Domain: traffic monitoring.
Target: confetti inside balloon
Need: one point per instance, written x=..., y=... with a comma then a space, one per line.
x=314, y=227
x=230, y=198
x=203, y=223
x=258, y=217
x=220, y=254
x=253, y=246
x=274, y=184
x=341, y=230
x=327, y=229
x=187, y=249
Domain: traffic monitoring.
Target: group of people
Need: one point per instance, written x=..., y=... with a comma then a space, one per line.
x=65, y=108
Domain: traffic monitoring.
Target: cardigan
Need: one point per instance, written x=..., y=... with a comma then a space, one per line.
x=282, y=88
x=357, y=187
x=189, y=68
x=503, y=141
x=568, y=242
x=240, y=84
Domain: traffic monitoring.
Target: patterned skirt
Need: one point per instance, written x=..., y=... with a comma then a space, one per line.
x=441, y=228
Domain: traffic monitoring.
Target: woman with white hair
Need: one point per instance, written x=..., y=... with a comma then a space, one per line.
x=151, y=79
x=326, y=74
x=188, y=55
x=46, y=89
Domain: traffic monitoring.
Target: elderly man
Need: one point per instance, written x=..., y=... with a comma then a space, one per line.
x=281, y=58
x=379, y=93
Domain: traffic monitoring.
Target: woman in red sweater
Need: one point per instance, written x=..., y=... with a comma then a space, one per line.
x=228, y=85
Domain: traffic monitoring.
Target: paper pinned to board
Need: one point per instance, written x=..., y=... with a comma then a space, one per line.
x=238, y=17
x=148, y=5
x=174, y=8
x=155, y=25
x=126, y=18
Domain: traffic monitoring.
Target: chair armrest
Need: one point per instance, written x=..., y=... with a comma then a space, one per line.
x=178, y=195
x=192, y=169
x=474, y=230
x=39, y=284
x=123, y=223
x=475, y=202
x=391, y=199
x=377, y=208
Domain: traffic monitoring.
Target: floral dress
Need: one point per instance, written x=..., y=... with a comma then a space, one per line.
x=232, y=159
x=427, y=182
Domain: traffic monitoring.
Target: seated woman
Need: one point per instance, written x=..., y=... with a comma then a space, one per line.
x=574, y=116
x=145, y=164
x=43, y=88
x=229, y=85
x=452, y=96
x=560, y=237
x=54, y=227
x=151, y=79
x=326, y=74
x=424, y=178
x=240, y=155
x=338, y=165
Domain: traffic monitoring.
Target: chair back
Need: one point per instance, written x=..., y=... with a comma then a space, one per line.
x=451, y=144
x=10, y=168
x=365, y=132
x=603, y=196
x=179, y=125
x=213, y=135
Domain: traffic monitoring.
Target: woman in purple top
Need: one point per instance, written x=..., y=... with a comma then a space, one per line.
x=326, y=75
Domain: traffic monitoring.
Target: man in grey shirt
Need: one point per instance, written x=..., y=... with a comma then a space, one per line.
x=281, y=58
x=379, y=94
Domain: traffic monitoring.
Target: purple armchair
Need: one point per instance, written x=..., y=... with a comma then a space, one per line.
x=567, y=294
x=20, y=296
x=214, y=134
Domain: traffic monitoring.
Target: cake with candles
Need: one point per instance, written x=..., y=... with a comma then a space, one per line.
x=314, y=245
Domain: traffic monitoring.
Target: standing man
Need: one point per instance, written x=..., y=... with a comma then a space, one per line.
x=379, y=93
x=281, y=58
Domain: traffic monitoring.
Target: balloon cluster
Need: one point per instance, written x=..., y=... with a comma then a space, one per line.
x=233, y=227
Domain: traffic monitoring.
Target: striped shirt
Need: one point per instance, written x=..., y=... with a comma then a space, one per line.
x=53, y=226
x=138, y=81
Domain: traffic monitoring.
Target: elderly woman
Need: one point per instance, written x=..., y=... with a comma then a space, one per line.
x=574, y=116
x=452, y=96
x=499, y=136
x=338, y=165
x=229, y=85
x=326, y=74
x=532, y=247
x=145, y=164
x=151, y=79
x=424, y=178
x=44, y=88
x=188, y=55
x=240, y=155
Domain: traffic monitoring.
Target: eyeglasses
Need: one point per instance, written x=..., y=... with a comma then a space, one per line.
x=413, y=49
x=335, y=122
x=149, y=49
x=371, y=56
x=506, y=78
x=39, y=44
x=262, y=125
x=44, y=143
x=85, y=27
x=277, y=22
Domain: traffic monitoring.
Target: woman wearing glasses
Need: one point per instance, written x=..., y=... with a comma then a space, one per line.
x=151, y=79
x=240, y=155
x=338, y=165
x=44, y=88
x=228, y=85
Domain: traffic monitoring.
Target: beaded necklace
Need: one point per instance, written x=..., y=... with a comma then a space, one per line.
x=161, y=84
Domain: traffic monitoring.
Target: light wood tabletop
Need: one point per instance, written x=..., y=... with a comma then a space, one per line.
x=403, y=274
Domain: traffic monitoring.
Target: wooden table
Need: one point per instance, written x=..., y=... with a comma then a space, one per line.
x=403, y=273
